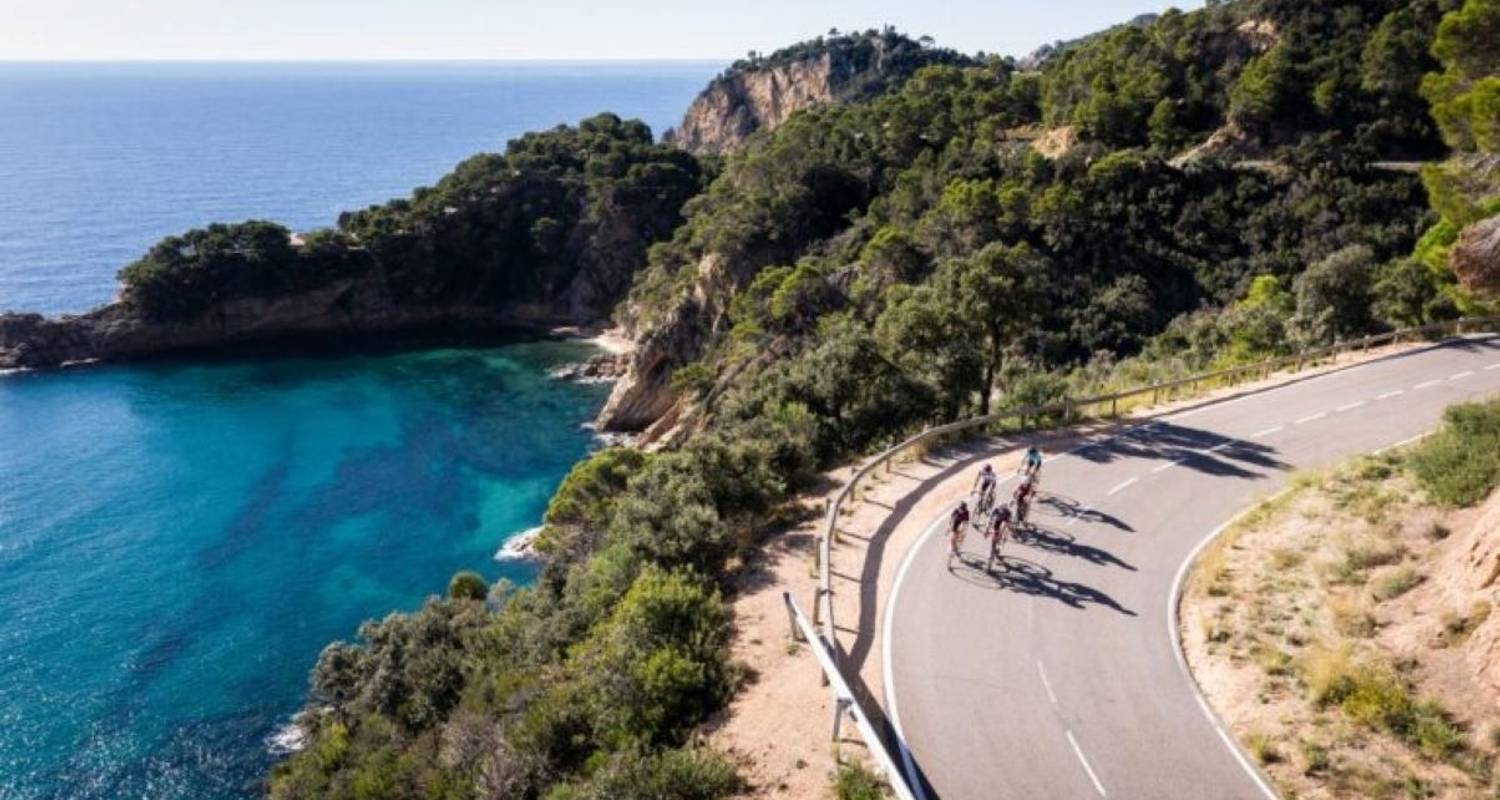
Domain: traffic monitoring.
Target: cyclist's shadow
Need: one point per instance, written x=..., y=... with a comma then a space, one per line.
x=1024, y=576
x=1053, y=540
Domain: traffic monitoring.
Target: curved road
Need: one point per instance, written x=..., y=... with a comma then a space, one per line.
x=1059, y=675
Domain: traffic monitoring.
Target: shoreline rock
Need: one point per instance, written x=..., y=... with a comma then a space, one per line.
x=520, y=547
x=339, y=316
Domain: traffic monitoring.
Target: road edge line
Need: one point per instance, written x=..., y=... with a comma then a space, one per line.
x=913, y=780
x=1174, y=601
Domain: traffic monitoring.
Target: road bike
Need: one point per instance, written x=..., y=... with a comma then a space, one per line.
x=986, y=502
x=956, y=539
x=997, y=543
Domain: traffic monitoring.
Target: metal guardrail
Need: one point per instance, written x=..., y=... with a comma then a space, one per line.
x=844, y=700
x=1068, y=410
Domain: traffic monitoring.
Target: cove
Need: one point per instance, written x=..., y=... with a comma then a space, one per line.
x=179, y=540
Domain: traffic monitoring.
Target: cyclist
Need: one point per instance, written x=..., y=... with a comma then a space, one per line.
x=1031, y=463
x=958, y=523
x=984, y=485
x=1025, y=493
x=997, y=528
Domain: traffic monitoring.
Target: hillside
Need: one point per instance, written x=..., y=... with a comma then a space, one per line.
x=1344, y=630
x=865, y=268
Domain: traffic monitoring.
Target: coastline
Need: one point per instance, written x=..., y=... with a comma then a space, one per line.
x=520, y=546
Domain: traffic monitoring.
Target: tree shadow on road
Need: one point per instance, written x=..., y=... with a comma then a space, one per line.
x=1196, y=449
x=1024, y=576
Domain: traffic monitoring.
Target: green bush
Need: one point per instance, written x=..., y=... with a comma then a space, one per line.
x=467, y=585
x=855, y=781
x=1460, y=464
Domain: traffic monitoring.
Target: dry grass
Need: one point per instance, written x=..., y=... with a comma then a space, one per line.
x=1294, y=611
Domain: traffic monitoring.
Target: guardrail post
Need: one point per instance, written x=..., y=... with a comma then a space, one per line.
x=791, y=617
x=840, y=708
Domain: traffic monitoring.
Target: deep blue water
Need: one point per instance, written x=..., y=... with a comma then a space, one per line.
x=98, y=161
x=179, y=540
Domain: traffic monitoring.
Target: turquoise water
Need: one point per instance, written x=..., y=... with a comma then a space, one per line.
x=179, y=540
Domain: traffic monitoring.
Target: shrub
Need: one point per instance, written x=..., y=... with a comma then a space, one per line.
x=467, y=585
x=1393, y=583
x=857, y=782
x=688, y=773
x=1328, y=673
x=1262, y=748
x=1460, y=464
x=1314, y=757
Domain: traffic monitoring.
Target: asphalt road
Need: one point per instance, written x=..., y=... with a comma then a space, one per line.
x=1058, y=676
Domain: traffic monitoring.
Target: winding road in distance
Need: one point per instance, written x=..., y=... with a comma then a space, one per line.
x=1059, y=675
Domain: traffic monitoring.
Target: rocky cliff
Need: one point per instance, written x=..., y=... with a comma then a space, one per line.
x=764, y=91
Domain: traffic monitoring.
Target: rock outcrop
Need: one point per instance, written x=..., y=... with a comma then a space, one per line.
x=345, y=312
x=1476, y=256
x=763, y=93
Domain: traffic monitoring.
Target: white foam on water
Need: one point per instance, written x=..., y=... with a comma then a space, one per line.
x=289, y=738
x=519, y=546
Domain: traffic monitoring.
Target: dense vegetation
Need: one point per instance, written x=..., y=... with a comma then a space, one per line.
x=1460, y=464
x=860, y=271
x=560, y=218
x=886, y=57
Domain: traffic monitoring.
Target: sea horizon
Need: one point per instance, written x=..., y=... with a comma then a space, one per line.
x=127, y=152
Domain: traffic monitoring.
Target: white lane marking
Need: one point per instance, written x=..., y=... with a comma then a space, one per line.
x=1313, y=418
x=1426, y=384
x=1174, y=598
x=1492, y=366
x=1267, y=432
x=1466, y=373
x=1046, y=683
x=1169, y=465
x=907, y=763
x=1084, y=760
x=1349, y=406
x=1123, y=486
x=1389, y=395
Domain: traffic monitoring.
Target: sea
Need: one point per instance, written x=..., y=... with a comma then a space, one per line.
x=179, y=539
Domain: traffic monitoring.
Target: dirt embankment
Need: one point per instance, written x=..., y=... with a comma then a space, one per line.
x=1343, y=632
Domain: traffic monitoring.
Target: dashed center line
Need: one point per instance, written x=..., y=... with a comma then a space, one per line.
x=1458, y=375
x=1349, y=406
x=1169, y=465
x=1492, y=366
x=1427, y=384
x=1389, y=395
x=1123, y=486
x=1314, y=417
x=1267, y=432
x=1078, y=751
x=1046, y=683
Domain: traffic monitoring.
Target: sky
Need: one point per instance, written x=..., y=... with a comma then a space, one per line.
x=711, y=30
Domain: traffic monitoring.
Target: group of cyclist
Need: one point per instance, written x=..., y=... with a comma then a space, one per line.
x=997, y=521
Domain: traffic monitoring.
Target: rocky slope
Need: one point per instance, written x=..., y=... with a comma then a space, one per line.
x=764, y=92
